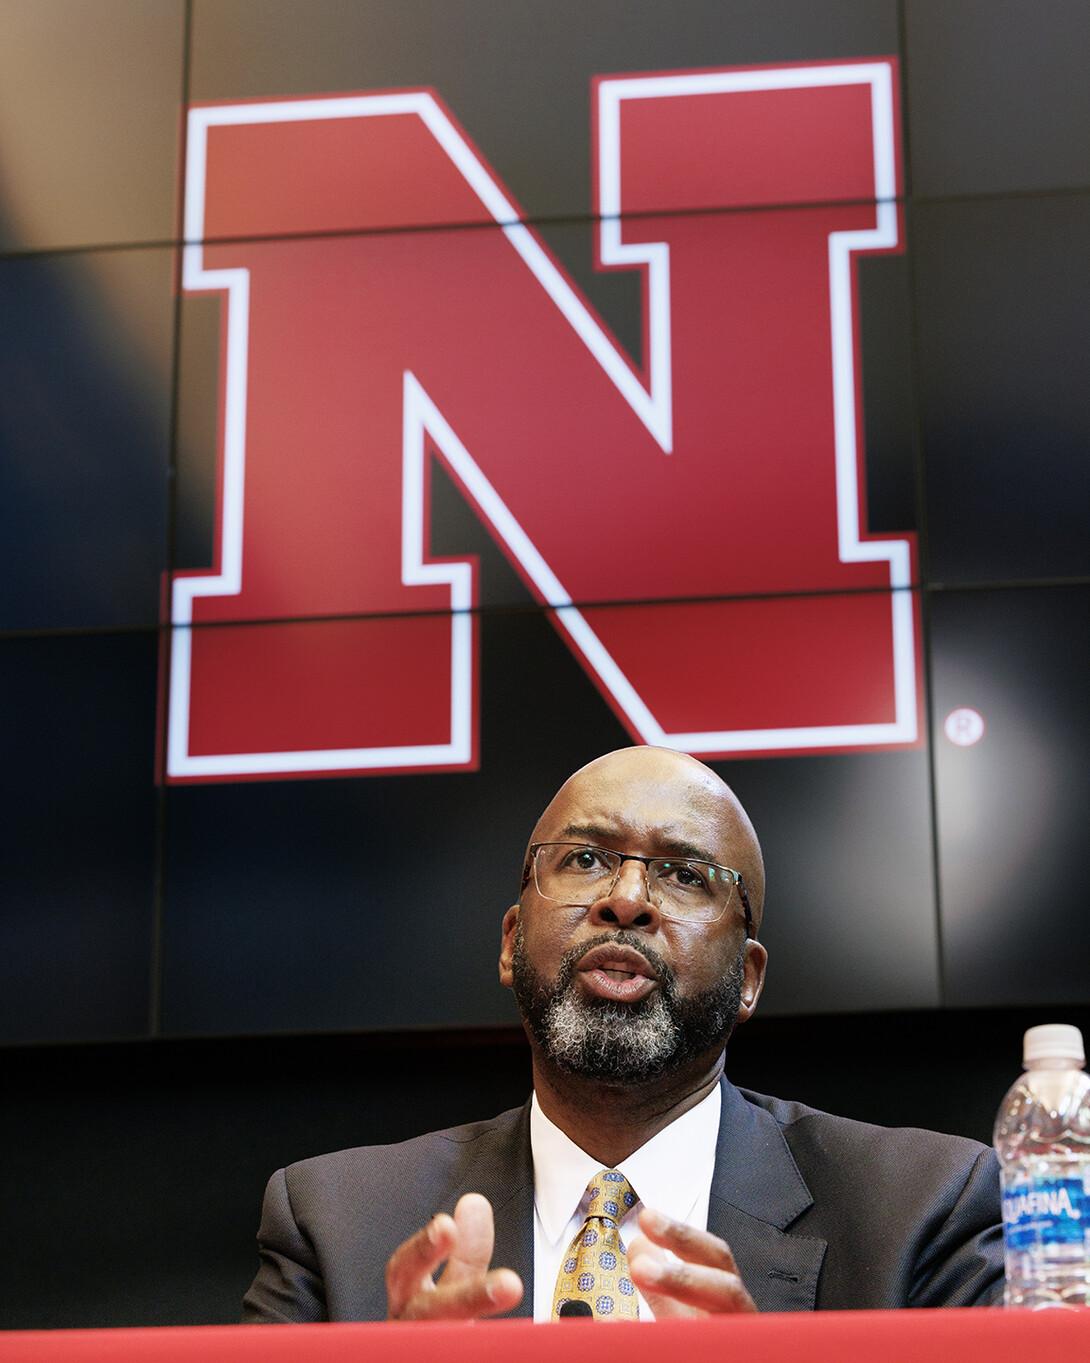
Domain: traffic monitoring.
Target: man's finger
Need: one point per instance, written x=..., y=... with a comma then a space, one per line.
x=409, y=1268
x=472, y=1251
x=687, y=1242
x=644, y=1259
x=466, y=1289
x=487, y=1294
x=698, y=1277
x=675, y=1288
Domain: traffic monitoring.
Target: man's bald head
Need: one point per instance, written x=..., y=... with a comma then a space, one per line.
x=668, y=803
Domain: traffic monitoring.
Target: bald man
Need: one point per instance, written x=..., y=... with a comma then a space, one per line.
x=632, y=953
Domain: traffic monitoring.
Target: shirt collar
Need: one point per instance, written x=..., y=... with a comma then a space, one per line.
x=668, y=1172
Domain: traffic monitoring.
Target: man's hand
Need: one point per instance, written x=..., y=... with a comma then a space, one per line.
x=466, y=1288
x=705, y=1282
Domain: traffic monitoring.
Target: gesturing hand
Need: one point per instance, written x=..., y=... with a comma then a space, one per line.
x=466, y=1288
x=702, y=1281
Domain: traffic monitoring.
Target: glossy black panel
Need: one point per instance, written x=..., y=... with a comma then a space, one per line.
x=77, y=874
x=850, y=917
x=85, y=362
x=997, y=94
x=89, y=97
x=515, y=73
x=1013, y=850
x=1004, y=350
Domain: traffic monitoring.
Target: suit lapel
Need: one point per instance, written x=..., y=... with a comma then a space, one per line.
x=757, y=1192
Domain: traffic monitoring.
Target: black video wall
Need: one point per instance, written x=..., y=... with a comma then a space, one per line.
x=946, y=872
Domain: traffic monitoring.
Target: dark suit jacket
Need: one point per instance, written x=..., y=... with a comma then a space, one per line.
x=820, y=1212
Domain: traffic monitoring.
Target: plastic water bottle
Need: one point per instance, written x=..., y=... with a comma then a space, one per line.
x=1042, y=1137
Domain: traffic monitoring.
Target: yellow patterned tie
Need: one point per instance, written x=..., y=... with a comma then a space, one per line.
x=595, y=1266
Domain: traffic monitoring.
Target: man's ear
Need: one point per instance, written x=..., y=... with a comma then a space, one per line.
x=507, y=945
x=756, y=960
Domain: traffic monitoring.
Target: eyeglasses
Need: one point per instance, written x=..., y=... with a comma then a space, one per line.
x=681, y=889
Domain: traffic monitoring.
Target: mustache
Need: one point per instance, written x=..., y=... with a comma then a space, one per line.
x=622, y=938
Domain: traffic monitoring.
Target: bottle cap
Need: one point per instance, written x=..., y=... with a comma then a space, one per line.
x=1053, y=1041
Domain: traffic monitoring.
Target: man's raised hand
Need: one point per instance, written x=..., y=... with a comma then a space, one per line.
x=703, y=1278
x=466, y=1289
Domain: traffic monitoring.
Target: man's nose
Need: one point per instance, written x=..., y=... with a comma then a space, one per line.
x=628, y=904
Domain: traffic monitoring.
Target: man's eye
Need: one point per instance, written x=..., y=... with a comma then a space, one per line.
x=684, y=875
x=585, y=859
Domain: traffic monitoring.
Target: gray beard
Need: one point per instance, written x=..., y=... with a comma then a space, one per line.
x=622, y=1043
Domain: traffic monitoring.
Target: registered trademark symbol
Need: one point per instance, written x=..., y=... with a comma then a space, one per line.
x=964, y=726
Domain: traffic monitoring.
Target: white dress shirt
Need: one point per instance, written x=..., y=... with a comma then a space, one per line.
x=671, y=1173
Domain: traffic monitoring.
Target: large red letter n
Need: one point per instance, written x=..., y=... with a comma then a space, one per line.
x=753, y=612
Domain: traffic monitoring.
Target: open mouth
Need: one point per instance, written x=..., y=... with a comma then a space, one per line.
x=616, y=972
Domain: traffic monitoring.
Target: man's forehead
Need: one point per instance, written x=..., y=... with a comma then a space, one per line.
x=645, y=794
